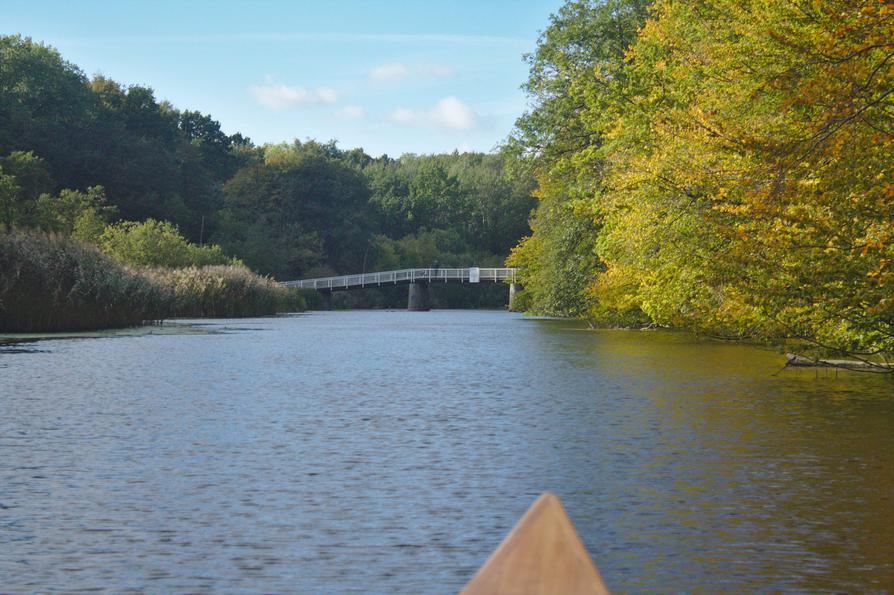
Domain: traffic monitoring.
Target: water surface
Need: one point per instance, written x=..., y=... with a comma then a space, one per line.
x=389, y=452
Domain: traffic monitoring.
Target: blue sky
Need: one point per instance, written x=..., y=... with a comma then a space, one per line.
x=392, y=77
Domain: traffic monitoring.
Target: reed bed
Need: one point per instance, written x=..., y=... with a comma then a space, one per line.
x=226, y=292
x=50, y=283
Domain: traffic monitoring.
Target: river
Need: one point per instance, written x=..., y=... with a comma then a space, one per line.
x=391, y=451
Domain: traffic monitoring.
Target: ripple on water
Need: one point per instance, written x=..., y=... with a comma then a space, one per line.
x=391, y=451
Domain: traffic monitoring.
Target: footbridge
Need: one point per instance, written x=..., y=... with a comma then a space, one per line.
x=418, y=280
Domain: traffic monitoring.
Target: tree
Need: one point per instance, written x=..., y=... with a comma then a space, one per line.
x=44, y=104
x=24, y=178
x=433, y=197
x=157, y=244
x=75, y=154
x=298, y=189
x=735, y=161
x=30, y=172
x=575, y=76
x=81, y=215
x=10, y=206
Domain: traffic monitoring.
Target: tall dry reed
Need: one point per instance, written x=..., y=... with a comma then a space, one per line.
x=226, y=292
x=51, y=283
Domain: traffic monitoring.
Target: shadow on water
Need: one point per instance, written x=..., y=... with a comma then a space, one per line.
x=762, y=478
x=15, y=347
x=14, y=343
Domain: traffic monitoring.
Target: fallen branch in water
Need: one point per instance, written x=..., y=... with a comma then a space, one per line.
x=801, y=361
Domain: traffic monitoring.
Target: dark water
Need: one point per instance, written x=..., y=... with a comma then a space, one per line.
x=390, y=452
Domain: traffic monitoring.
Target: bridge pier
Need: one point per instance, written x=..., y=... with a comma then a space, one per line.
x=513, y=289
x=419, y=297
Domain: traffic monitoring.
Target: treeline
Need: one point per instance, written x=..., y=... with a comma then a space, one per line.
x=60, y=130
x=113, y=166
x=724, y=166
x=311, y=209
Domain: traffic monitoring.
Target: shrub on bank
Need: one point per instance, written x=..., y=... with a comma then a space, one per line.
x=226, y=292
x=51, y=283
x=154, y=243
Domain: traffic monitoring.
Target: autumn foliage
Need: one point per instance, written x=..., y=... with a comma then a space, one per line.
x=745, y=158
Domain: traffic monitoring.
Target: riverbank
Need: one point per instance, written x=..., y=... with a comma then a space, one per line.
x=50, y=283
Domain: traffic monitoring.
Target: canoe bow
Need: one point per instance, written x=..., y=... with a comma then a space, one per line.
x=542, y=554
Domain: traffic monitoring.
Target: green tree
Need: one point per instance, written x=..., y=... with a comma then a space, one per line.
x=575, y=76
x=294, y=209
x=81, y=215
x=433, y=197
x=30, y=172
x=10, y=206
x=157, y=244
x=298, y=189
x=44, y=104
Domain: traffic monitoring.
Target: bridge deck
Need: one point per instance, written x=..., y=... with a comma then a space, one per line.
x=407, y=276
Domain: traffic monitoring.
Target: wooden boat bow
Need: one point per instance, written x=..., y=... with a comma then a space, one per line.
x=542, y=554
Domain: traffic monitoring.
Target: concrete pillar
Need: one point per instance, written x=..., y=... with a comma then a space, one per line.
x=513, y=289
x=419, y=298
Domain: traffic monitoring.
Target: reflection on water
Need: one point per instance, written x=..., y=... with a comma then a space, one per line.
x=391, y=451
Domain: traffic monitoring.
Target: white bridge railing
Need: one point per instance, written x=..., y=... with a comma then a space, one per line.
x=469, y=275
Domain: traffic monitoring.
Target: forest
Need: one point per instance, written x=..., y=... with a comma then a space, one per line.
x=150, y=185
x=715, y=165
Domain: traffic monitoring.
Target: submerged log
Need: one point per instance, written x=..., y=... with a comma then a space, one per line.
x=801, y=361
x=542, y=554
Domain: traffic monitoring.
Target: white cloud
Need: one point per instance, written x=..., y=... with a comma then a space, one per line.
x=440, y=71
x=389, y=72
x=351, y=112
x=327, y=95
x=278, y=96
x=398, y=72
x=450, y=113
x=403, y=115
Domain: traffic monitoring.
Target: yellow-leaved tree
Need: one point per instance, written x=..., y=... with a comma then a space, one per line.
x=750, y=184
